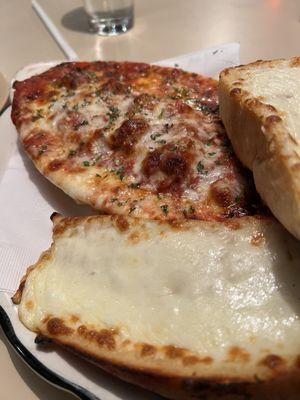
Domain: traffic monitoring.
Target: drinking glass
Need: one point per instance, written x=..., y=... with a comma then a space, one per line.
x=110, y=17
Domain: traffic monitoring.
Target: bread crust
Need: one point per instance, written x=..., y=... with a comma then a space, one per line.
x=262, y=141
x=178, y=387
x=167, y=370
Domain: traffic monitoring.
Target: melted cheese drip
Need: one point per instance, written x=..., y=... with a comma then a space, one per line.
x=205, y=289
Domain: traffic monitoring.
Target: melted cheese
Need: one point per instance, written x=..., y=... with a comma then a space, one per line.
x=279, y=87
x=205, y=288
x=94, y=110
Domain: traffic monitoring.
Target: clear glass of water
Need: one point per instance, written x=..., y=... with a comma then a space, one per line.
x=110, y=17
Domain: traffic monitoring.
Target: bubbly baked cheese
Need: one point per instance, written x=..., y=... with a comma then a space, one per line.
x=133, y=139
x=205, y=300
x=280, y=87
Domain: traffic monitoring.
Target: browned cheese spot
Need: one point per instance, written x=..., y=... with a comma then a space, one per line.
x=147, y=350
x=90, y=143
x=56, y=326
x=55, y=165
x=151, y=162
x=206, y=360
x=60, y=228
x=295, y=62
x=115, y=87
x=234, y=225
x=174, y=166
x=257, y=239
x=135, y=237
x=170, y=163
x=237, y=354
x=66, y=223
x=174, y=352
x=128, y=134
x=190, y=360
x=73, y=79
x=221, y=194
x=141, y=233
x=121, y=222
x=142, y=102
x=272, y=361
x=104, y=337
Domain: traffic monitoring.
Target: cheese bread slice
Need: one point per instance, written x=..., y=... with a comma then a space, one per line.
x=260, y=108
x=193, y=310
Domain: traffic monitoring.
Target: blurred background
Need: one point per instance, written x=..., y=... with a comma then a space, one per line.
x=162, y=29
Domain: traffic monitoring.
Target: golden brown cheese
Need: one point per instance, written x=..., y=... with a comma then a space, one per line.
x=133, y=139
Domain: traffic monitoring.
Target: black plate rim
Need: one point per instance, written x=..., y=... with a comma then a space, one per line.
x=35, y=365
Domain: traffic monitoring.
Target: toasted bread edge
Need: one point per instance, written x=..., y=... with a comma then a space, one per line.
x=259, y=136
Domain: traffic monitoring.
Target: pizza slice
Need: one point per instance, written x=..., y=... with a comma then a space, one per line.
x=133, y=139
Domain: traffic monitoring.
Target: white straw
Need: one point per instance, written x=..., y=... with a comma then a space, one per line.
x=57, y=36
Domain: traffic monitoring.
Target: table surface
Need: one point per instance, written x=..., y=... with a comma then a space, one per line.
x=163, y=29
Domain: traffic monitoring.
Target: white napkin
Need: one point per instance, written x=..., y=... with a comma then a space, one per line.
x=27, y=199
x=208, y=62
